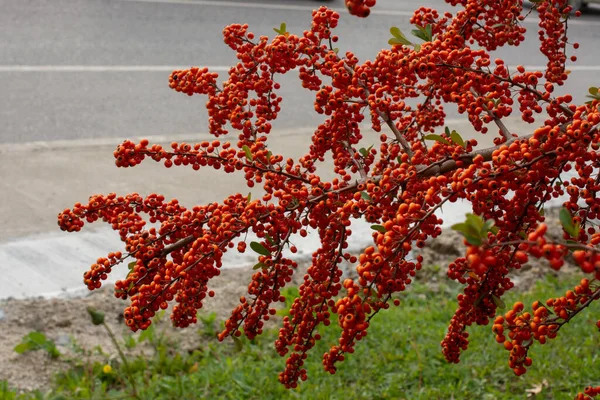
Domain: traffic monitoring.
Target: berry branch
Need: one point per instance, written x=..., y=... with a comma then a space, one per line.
x=397, y=184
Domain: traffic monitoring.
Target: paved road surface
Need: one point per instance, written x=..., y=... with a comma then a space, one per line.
x=78, y=76
x=46, y=103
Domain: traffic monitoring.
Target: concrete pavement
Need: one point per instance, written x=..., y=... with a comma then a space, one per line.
x=41, y=179
x=77, y=77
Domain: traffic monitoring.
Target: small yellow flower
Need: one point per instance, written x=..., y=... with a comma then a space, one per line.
x=107, y=369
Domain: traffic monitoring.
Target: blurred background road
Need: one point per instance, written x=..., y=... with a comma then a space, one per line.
x=79, y=76
x=81, y=69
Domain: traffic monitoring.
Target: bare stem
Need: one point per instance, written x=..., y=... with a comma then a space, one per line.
x=359, y=166
x=123, y=358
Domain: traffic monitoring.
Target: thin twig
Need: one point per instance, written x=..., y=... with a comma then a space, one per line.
x=505, y=132
x=385, y=117
x=359, y=166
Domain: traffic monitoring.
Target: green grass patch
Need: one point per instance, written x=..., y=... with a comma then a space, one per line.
x=399, y=359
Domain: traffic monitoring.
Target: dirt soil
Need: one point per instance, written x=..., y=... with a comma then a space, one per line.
x=66, y=322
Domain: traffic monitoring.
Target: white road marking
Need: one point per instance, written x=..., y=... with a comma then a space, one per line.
x=290, y=7
x=192, y=137
x=103, y=68
x=214, y=68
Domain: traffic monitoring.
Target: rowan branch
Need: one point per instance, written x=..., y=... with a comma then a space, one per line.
x=385, y=117
x=536, y=93
x=436, y=168
x=505, y=132
x=359, y=166
x=177, y=245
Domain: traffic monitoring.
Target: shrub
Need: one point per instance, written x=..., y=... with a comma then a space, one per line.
x=397, y=186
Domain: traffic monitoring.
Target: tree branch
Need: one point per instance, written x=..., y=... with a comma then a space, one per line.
x=505, y=132
x=385, y=117
x=537, y=94
x=177, y=245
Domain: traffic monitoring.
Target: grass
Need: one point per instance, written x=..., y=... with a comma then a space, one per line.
x=399, y=359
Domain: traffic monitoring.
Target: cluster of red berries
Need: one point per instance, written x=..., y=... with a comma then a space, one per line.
x=312, y=308
x=543, y=323
x=589, y=393
x=360, y=8
x=553, y=37
x=424, y=16
x=484, y=274
x=490, y=23
x=398, y=185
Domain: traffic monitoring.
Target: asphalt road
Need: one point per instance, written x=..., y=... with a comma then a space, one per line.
x=77, y=69
x=78, y=76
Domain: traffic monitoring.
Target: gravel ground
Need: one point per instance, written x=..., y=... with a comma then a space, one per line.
x=66, y=321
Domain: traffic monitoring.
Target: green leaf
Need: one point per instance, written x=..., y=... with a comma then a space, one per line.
x=37, y=338
x=398, y=37
x=475, y=221
x=456, y=138
x=474, y=229
x=498, y=302
x=249, y=197
x=474, y=240
x=593, y=91
x=471, y=235
x=23, y=347
x=270, y=239
x=239, y=345
x=130, y=266
x=429, y=32
x=378, y=228
x=420, y=34
x=461, y=228
x=568, y=224
x=396, y=32
x=398, y=41
x=97, y=316
x=437, y=138
x=424, y=33
x=488, y=225
x=282, y=29
x=260, y=265
x=260, y=249
x=417, y=47
x=365, y=152
x=365, y=196
x=447, y=131
x=248, y=152
x=147, y=335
